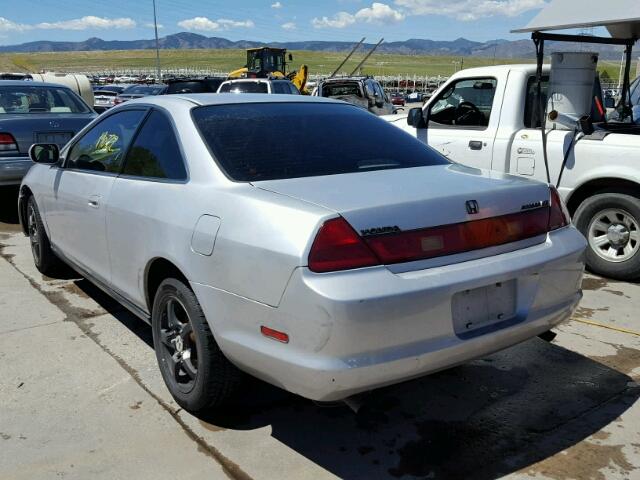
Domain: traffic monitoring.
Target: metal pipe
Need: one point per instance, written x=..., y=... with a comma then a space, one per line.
x=348, y=57
x=367, y=57
x=155, y=27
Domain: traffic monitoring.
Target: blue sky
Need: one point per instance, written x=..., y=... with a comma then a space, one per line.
x=265, y=20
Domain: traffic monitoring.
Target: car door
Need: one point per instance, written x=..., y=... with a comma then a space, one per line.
x=462, y=124
x=154, y=174
x=76, y=207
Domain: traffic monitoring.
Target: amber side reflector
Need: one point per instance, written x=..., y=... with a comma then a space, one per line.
x=275, y=334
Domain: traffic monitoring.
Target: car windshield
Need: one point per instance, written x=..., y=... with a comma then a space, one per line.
x=244, y=87
x=29, y=98
x=269, y=141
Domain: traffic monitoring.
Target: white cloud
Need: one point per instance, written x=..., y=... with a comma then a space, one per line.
x=339, y=20
x=150, y=25
x=468, y=10
x=276, y=5
x=379, y=13
x=204, y=24
x=289, y=26
x=88, y=22
x=84, y=23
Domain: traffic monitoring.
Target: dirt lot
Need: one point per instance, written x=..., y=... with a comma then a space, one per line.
x=82, y=398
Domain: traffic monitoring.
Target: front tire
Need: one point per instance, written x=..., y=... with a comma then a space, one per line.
x=196, y=372
x=44, y=259
x=611, y=224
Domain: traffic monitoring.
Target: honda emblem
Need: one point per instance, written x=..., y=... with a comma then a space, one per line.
x=472, y=207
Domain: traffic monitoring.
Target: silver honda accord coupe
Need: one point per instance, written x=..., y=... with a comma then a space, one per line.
x=301, y=240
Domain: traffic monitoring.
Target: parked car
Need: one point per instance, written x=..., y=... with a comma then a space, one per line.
x=487, y=118
x=364, y=92
x=103, y=100
x=397, y=99
x=300, y=240
x=35, y=112
x=139, y=91
x=259, y=85
x=192, y=85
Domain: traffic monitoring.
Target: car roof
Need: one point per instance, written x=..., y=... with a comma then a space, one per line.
x=21, y=83
x=200, y=99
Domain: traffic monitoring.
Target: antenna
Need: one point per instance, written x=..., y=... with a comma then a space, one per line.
x=347, y=57
x=367, y=57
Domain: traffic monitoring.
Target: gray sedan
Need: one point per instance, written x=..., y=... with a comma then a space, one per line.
x=31, y=113
x=300, y=240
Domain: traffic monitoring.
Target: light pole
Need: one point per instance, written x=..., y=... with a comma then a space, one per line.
x=155, y=27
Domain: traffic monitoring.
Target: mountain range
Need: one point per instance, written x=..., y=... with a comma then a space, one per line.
x=462, y=47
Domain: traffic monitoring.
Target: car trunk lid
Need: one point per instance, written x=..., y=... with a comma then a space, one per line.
x=28, y=129
x=386, y=202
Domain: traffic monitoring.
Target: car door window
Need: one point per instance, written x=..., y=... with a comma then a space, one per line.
x=293, y=90
x=378, y=90
x=155, y=152
x=102, y=148
x=466, y=103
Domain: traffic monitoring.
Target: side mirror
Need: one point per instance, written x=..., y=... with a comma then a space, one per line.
x=416, y=118
x=44, y=153
x=609, y=102
x=290, y=58
x=379, y=102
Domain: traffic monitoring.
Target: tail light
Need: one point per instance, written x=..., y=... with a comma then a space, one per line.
x=558, y=215
x=338, y=247
x=117, y=101
x=7, y=143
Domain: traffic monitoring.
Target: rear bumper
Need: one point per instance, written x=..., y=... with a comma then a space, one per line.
x=13, y=169
x=363, y=329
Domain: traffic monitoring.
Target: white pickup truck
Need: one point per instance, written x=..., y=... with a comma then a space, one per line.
x=487, y=118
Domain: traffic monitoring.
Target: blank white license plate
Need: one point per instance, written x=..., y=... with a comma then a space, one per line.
x=482, y=307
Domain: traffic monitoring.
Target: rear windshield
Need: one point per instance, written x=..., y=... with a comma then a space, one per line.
x=244, y=87
x=143, y=90
x=36, y=99
x=340, y=89
x=270, y=141
x=188, y=87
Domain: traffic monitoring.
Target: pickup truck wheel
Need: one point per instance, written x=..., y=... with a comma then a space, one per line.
x=611, y=224
x=196, y=372
x=44, y=259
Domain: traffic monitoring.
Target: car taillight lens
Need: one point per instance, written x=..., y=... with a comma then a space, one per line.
x=558, y=215
x=459, y=237
x=338, y=247
x=7, y=143
x=117, y=101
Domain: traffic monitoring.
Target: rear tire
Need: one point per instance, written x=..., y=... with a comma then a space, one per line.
x=196, y=372
x=45, y=260
x=611, y=224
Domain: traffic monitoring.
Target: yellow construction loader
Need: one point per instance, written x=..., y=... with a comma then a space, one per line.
x=266, y=62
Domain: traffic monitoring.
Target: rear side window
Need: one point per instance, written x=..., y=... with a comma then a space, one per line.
x=102, y=148
x=268, y=141
x=245, y=87
x=532, y=114
x=281, y=87
x=155, y=152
